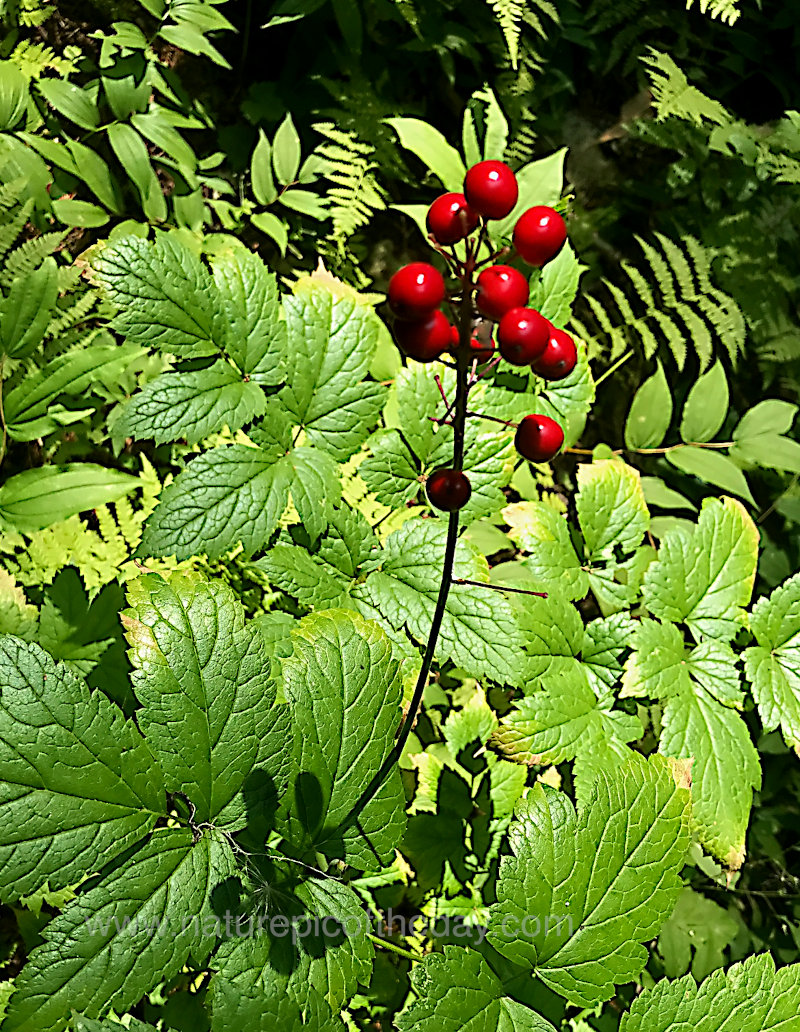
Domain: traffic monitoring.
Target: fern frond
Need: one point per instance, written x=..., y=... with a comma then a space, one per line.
x=28, y=256
x=13, y=226
x=64, y=319
x=517, y=82
x=33, y=59
x=12, y=192
x=726, y=10
x=668, y=300
x=675, y=97
x=100, y=556
x=509, y=17
x=354, y=194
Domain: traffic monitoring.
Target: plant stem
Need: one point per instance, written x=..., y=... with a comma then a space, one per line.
x=500, y=587
x=613, y=368
x=459, y=420
x=494, y=419
x=387, y=945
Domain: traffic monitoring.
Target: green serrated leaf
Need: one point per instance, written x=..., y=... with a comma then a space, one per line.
x=457, y=990
x=568, y=401
x=599, y=883
x=237, y=494
x=294, y=571
x=705, y=578
x=163, y=292
x=773, y=665
x=344, y=687
x=248, y=323
x=544, y=534
x=78, y=785
x=725, y=768
x=479, y=630
x=208, y=704
x=267, y=1010
x=123, y=937
x=611, y=508
x=748, y=997
x=332, y=338
x=191, y=405
x=554, y=292
x=553, y=635
x=288, y=946
x=566, y=721
x=696, y=933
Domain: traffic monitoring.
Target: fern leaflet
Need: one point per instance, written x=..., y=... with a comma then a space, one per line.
x=672, y=301
x=354, y=194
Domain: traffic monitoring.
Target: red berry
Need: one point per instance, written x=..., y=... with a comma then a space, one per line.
x=415, y=290
x=491, y=189
x=523, y=334
x=448, y=489
x=455, y=338
x=450, y=218
x=539, y=234
x=424, y=340
x=558, y=358
x=501, y=288
x=538, y=438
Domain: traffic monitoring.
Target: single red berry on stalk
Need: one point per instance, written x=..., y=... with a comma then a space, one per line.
x=448, y=489
x=538, y=438
x=558, y=358
x=491, y=189
x=539, y=235
x=424, y=340
x=450, y=218
x=501, y=288
x=523, y=334
x=415, y=290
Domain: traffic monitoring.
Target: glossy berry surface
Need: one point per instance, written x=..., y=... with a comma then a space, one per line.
x=522, y=335
x=448, y=489
x=539, y=235
x=415, y=290
x=558, y=358
x=538, y=438
x=491, y=189
x=424, y=340
x=501, y=288
x=450, y=218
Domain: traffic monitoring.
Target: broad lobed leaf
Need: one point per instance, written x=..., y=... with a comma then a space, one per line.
x=593, y=886
x=78, y=784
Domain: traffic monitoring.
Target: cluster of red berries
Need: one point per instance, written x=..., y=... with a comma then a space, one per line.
x=500, y=295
